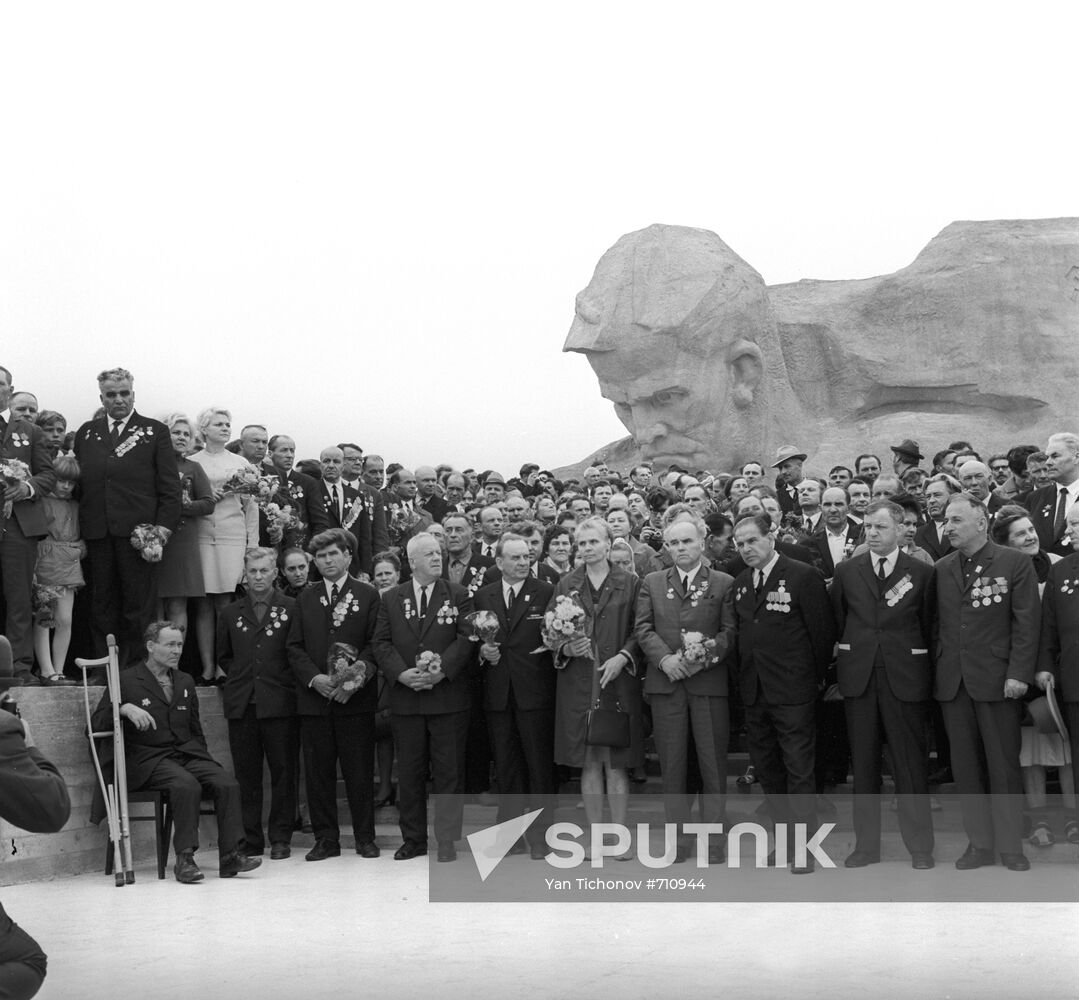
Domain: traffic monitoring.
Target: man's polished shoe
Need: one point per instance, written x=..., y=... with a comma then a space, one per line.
x=859, y=859
x=185, y=869
x=368, y=849
x=1015, y=862
x=235, y=863
x=807, y=869
x=408, y=850
x=447, y=850
x=922, y=861
x=322, y=850
x=280, y=851
x=975, y=857
x=538, y=852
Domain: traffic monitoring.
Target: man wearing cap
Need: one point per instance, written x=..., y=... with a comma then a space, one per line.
x=788, y=464
x=905, y=455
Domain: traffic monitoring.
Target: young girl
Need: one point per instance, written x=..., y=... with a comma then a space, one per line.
x=58, y=566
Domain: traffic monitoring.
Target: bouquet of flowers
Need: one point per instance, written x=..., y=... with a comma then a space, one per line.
x=345, y=667
x=484, y=626
x=283, y=517
x=149, y=541
x=265, y=489
x=45, y=599
x=428, y=662
x=566, y=621
x=244, y=482
x=401, y=522
x=13, y=471
x=696, y=649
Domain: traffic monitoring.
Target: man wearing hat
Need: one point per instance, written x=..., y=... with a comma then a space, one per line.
x=788, y=463
x=494, y=488
x=906, y=455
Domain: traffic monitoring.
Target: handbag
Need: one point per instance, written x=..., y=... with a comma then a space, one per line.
x=607, y=727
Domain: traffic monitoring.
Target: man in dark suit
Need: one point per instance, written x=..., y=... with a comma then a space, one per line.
x=688, y=696
x=33, y=797
x=520, y=693
x=260, y=702
x=884, y=603
x=988, y=614
x=788, y=466
x=352, y=475
x=20, y=529
x=337, y=720
x=785, y=636
x=463, y=565
x=931, y=536
x=491, y=525
x=298, y=491
x=1058, y=652
x=128, y=478
x=350, y=508
x=751, y=505
x=1049, y=506
x=977, y=479
x=532, y=533
x=429, y=703
x=427, y=493
x=166, y=749
x=838, y=537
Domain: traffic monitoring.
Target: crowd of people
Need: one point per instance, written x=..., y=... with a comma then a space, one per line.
x=490, y=632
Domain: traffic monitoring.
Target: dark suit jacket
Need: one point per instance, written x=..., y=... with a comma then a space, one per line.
x=818, y=543
x=313, y=632
x=1059, y=649
x=1042, y=505
x=25, y=442
x=435, y=506
x=898, y=627
x=139, y=486
x=400, y=636
x=926, y=538
x=787, y=651
x=531, y=675
x=304, y=495
x=357, y=511
x=799, y=553
x=664, y=612
x=380, y=538
x=474, y=572
x=178, y=727
x=255, y=658
x=33, y=795
x=984, y=644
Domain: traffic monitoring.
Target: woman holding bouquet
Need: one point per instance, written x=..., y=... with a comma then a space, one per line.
x=224, y=535
x=179, y=576
x=601, y=666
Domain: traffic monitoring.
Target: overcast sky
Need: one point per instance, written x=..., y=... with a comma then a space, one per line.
x=370, y=222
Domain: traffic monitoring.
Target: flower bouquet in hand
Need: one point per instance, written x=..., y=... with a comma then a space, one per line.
x=44, y=601
x=696, y=651
x=347, y=671
x=283, y=518
x=484, y=626
x=243, y=482
x=149, y=541
x=13, y=471
x=566, y=621
x=428, y=662
x=401, y=522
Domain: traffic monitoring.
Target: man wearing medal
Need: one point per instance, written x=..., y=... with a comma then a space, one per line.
x=885, y=603
x=988, y=615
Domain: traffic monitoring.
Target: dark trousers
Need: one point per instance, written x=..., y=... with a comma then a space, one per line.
x=350, y=740
x=478, y=750
x=184, y=778
x=17, y=557
x=124, y=596
x=22, y=962
x=675, y=717
x=251, y=741
x=985, y=741
x=782, y=745
x=435, y=744
x=1071, y=720
x=877, y=715
x=523, y=746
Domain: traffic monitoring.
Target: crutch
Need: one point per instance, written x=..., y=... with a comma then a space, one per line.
x=116, y=810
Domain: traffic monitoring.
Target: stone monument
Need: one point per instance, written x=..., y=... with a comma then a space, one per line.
x=708, y=367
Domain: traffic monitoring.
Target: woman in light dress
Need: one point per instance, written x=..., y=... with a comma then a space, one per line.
x=223, y=535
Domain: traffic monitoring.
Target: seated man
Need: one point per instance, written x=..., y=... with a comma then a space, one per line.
x=166, y=750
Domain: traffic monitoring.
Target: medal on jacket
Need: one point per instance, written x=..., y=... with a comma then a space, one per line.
x=987, y=590
x=1068, y=586
x=779, y=599
x=895, y=594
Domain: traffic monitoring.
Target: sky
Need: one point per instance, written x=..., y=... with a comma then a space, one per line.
x=369, y=222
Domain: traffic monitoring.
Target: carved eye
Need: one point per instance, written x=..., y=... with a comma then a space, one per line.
x=665, y=397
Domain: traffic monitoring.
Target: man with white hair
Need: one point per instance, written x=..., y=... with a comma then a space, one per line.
x=977, y=479
x=1049, y=506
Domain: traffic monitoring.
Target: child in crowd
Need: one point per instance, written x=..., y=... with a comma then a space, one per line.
x=59, y=568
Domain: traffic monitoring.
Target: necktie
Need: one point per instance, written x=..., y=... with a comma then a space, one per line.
x=488, y=550
x=335, y=592
x=336, y=503
x=166, y=686
x=260, y=612
x=760, y=582
x=1058, y=520
x=685, y=582
x=423, y=603
x=509, y=600
x=881, y=575
x=114, y=434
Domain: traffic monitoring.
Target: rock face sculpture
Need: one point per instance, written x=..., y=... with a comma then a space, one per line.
x=709, y=367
